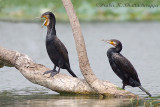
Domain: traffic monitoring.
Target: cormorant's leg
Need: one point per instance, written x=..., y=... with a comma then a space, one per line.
x=60, y=64
x=54, y=69
x=123, y=87
x=59, y=69
x=53, y=72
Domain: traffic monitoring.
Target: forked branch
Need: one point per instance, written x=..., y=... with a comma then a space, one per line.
x=62, y=83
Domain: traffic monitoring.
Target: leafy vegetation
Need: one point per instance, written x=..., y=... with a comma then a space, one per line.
x=152, y=102
x=87, y=10
x=145, y=102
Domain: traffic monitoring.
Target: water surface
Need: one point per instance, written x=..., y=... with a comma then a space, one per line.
x=140, y=45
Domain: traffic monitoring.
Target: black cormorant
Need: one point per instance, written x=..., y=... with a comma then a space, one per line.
x=55, y=48
x=122, y=66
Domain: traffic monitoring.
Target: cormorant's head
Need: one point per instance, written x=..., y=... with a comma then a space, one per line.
x=49, y=16
x=113, y=42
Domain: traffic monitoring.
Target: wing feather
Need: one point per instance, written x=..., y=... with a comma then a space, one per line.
x=125, y=66
x=61, y=49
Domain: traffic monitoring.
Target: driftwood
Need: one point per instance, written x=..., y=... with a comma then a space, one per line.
x=62, y=83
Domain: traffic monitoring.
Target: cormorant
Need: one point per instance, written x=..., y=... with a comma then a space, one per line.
x=55, y=48
x=122, y=66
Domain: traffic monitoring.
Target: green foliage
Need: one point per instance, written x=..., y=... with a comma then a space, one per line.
x=87, y=10
x=145, y=102
x=119, y=88
x=152, y=102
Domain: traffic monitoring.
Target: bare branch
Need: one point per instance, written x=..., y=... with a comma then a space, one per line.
x=34, y=72
x=60, y=83
x=85, y=68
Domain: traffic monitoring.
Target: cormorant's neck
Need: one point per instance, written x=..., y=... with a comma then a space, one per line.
x=51, y=30
x=51, y=27
x=116, y=49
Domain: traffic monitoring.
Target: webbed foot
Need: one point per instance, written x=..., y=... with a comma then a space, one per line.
x=52, y=72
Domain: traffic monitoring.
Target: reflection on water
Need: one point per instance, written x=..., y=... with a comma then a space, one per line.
x=8, y=99
x=41, y=100
x=140, y=45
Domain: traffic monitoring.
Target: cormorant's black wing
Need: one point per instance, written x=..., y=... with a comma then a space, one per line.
x=62, y=50
x=125, y=66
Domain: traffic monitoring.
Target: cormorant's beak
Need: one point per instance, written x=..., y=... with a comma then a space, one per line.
x=106, y=41
x=110, y=42
x=46, y=22
x=36, y=18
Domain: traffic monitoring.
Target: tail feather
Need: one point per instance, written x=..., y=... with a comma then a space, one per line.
x=145, y=90
x=71, y=72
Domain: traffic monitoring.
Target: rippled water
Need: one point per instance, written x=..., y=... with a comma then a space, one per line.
x=140, y=45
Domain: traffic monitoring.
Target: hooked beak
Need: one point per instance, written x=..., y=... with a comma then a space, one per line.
x=110, y=42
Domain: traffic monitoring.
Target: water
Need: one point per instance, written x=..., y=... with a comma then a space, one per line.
x=140, y=45
x=61, y=101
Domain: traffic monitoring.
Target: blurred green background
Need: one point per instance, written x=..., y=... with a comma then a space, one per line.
x=87, y=10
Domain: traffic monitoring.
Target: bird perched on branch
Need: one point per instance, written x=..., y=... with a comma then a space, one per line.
x=55, y=48
x=122, y=67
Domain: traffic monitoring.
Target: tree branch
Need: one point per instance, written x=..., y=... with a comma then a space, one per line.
x=81, y=49
x=62, y=83
x=85, y=68
x=34, y=72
